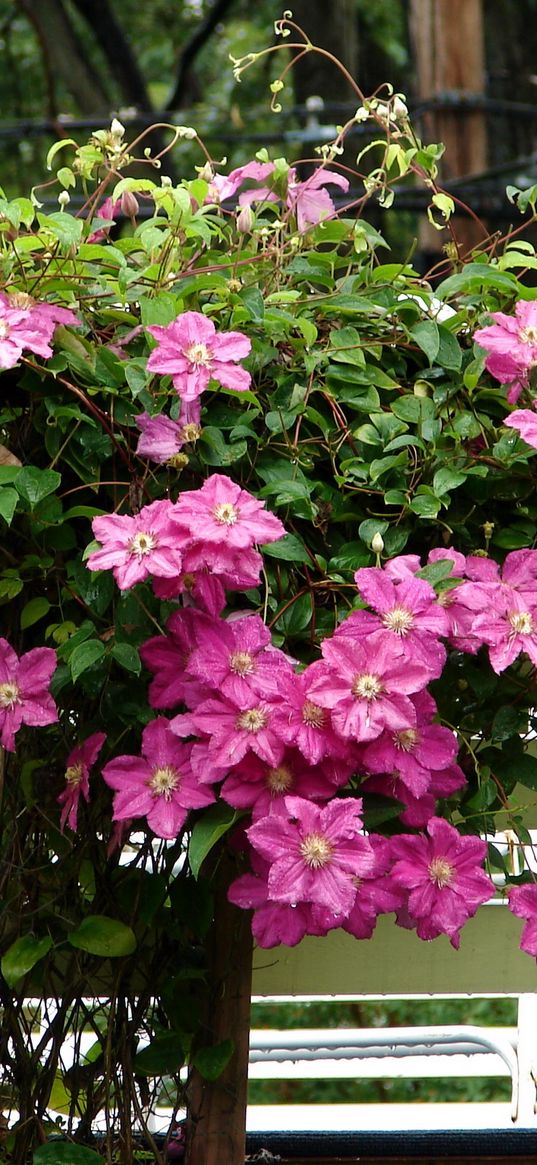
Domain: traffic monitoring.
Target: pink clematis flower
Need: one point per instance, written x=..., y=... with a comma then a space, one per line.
x=234, y=731
x=108, y=212
x=376, y=893
x=224, y=186
x=159, y=784
x=167, y=657
x=508, y=626
x=28, y=326
x=511, y=346
x=160, y=438
x=302, y=722
x=525, y=422
x=443, y=876
x=276, y=922
x=309, y=200
x=523, y=903
x=24, y=694
x=366, y=683
x=77, y=771
x=226, y=516
x=315, y=853
x=194, y=353
x=232, y=658
x=136, y=547
x=413, y=752
x=409, y=610
x=255, y=785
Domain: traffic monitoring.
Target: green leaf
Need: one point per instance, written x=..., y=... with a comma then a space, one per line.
x=99, y=935
x=436, y=572
x=9, y=473
x=521, y=769
x=65, y=228
x=22, y=955
x=289, y=548
x=8, y=503
x=253, y=301
x=35, y=484
x=507, y=722
x=425, y=505
x=164, y=1056
x=56, y=1152
x=33, y=611
x=296, y=617
x=447, y=479
x=207, y=831
x=449, y=352
x=427, y=337
x=127, y=656
x=84, y=656
x=210, y=1062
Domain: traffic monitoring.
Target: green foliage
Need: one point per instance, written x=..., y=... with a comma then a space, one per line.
x=368, y=416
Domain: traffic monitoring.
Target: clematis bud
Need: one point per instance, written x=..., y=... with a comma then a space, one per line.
x=377, y=543
x=245, y=220
x=63, y=199
x=129, y=204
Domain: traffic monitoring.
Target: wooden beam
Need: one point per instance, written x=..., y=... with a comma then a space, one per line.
x=396, y=962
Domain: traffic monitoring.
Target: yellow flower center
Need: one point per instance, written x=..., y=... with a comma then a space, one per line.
x=191, y=431
x=21, y=300
x=252, y=720
x=279, y=780
x=521, y=622
x=366, y=686
x=312, y=715
x=242, y=663
x=441, y=872
x=164, y=781
x=399, y=619
x=225, y=513
x=406, y=739
x=4, y=329
x=316, y=850
x=198, y=354
x=74, y=774
x=9, y=696
x=528, y=335
x=142, y=543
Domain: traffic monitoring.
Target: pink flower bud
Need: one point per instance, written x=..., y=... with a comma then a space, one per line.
x=245, y=220
x=129, y=204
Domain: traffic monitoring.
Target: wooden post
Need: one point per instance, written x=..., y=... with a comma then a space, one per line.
x=216, y=1126
x=448, y=40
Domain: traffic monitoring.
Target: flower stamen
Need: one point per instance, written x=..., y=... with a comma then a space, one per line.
x=316, y=850
x=142, y=543
x=9, y=696
x=279, y=780
x=399, y=619
x=366, y=686
x=241, y=663
x=252, y=720
x=313, y=715
x=164, y=781
x=225, y=513
x=441, y=872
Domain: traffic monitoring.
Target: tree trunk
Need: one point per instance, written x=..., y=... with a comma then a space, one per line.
x=448, y=37
x=65, y=56
x=216, y=1127
x=332, y=27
